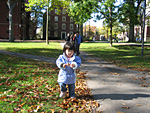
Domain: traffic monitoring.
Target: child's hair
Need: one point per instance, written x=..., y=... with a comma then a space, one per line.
x=69, y=46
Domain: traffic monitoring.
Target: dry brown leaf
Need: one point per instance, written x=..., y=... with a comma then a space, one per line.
x=139, y=105
x=52, y=110
x=126, y=107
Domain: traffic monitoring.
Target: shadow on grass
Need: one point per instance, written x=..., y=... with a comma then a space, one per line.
x=128, y=56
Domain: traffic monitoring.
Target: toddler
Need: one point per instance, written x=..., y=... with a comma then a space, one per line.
x=67, y=63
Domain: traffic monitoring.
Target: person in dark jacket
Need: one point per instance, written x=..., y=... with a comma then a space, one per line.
x=79, y=41
x=68, y=38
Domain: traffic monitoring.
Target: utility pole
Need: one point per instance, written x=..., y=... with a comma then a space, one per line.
x=143, y=27
x=89, y=29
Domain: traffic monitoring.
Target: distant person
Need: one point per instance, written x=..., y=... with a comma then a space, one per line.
x=93, y=38
x=75, y=42
x=67, y=63
x=71, y=38
x=68, y=38
x=80, y=40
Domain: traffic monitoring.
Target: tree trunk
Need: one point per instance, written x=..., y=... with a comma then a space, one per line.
x=11, y=37
x=110, y=22
x=11, y=6
x=47, y=41
x=143, y=29
x=81, y=30
x=27, y=25
x=131, y=33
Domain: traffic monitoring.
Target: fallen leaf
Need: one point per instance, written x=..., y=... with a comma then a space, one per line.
x=53, y=111
x=126, y=107
x=139, y=105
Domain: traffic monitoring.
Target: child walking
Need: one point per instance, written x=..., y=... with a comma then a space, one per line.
x=67, y=63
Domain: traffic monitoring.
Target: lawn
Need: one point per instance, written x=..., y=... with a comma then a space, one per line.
x=31, y=86
x=126, y=56
x=54, y=49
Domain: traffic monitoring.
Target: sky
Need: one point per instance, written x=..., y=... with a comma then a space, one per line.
x=98, y=23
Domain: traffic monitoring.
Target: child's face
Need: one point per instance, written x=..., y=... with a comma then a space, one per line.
x=69, y=53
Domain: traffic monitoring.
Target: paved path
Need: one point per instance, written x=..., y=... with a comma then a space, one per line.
x=117, y=90
x=34, y=57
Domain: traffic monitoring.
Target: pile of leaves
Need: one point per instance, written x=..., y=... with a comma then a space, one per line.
x=31, y=86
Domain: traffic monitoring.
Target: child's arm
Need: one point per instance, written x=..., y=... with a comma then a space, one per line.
x=76, y=63
x=60, y=63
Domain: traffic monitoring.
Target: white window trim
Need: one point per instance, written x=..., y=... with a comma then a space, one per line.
x=71, y=19
x=55, y=18
x=56, y=11
x=55, y=24
x=70, y=26
x=62, y=34
x=55, y=32
x=62, y=26
x=71, y=32
x=64, y=19
x=63, y=11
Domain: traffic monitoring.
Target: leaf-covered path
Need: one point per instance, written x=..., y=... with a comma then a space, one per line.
x=117, y=90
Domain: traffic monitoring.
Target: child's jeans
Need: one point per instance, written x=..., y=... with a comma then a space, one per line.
x=71, y=89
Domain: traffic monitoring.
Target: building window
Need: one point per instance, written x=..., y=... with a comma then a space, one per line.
x=56, y=11
x=56, y=18
x=71, y=26
x=64, y=19
x=63, y=26
x=63, y=11
x=71, y=33
x=55, y=34
x=56, y=26
x=71, y=19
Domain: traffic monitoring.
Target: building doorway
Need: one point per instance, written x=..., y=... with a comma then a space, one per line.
x=63, y=35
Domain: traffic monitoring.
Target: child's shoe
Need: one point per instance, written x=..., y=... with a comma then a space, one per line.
x=62, y=94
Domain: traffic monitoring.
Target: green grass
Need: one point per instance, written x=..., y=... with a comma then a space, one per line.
x=31, y=86
x=27, y=84
x=54, y=49
x=122, y=55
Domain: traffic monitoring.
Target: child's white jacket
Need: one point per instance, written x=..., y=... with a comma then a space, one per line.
x=67, y=75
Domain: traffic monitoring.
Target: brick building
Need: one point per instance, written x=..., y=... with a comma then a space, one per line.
x=20, y=17
x=59, y=25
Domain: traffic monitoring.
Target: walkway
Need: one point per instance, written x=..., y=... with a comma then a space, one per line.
x=117, y=90
x=34, y=57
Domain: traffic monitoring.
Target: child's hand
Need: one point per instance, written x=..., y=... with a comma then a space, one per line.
x=72, y=65
x=64, y=65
